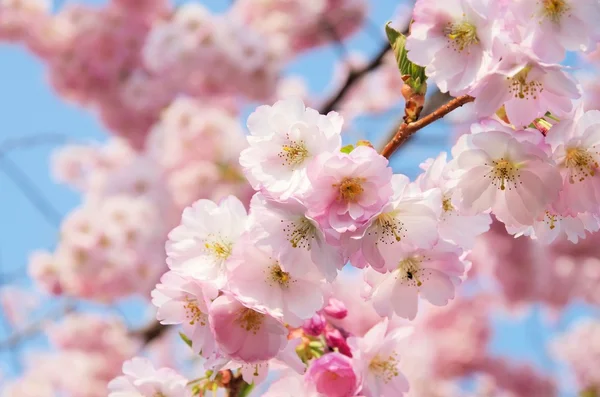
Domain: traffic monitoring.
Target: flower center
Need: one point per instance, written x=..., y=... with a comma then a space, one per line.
x=385, y=368
x=193, y=312
x=503, y=172
x=159, y=394
x=408, y=269
x=219, y=249
x=300, y=233
x=390, y=227
x=250, y=320
x=581, y=164
x=520, y=87
x=447, y=205
x=350, y=189
x=551, y=219
x=293, y=154
x=461, y=35
x=554, y=9
x=277, y=275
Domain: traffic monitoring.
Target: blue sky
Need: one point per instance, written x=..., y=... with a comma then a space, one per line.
x=28, y=107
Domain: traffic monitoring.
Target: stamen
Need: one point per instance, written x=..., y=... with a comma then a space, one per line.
x=551, y=219
x=193, y=312
x=554, y=9
x=461, y=35
x=350, y=189
x=581, y=164
x=409, y=268
x=293, y=154
x=390, y=228
x=250, y=320
x=385, y=368
x=503, y=173
x=300, y=233
x=278, y=276
x=218, y=249
x=521, y=88
x=447, y=204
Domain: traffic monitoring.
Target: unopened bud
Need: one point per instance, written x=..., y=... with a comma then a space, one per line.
x=336, y=309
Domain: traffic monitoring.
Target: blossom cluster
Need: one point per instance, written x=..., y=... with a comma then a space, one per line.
x=256, y=233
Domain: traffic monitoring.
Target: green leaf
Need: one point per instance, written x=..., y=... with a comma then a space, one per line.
x=415, y=73
x=347, y=149
x=246, y=390
x=185, y=339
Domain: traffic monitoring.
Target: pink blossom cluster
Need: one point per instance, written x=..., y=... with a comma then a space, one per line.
x=295, y=25
x=579, y=347
x=262, y=227
x=90, y=351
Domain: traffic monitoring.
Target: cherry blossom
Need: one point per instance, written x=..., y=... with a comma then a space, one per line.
x=244, y=333
x=454, y=224
x=348, y=189
x=514, y=179
x=453, y=40
x=376, y=359
x=259, y=280
x=407, y=222
x=183, y=301
x=284, y=138
x=433, y=274
x=295, y=237
x=141, y=378
x=574, y=144
x=525, y=86
x=204, y=240
x=333, y=375
x=559, y=25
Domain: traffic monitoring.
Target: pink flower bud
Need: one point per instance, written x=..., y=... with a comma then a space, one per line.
x=315, y=326
x=333, y=376
x=334, y=338
x=336, y=309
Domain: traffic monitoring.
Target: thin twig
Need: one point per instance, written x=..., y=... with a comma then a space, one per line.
x=406, y=130
x=354, y=77
x=36, y=328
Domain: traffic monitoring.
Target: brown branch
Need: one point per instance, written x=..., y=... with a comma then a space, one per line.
x=354, y=77
x=153, y=331
x=406, y=130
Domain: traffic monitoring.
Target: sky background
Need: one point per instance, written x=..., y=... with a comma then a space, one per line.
x=29, y=108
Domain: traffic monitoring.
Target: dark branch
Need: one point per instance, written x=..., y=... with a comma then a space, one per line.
x=354, y=77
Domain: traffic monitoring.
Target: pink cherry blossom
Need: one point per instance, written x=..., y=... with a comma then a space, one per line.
x=243, y=333
x=291, y=385
x=559, y=25
x=551, y=225
x=454, y=225
x=283, y=139
x=582, y=357
x=408, y=221
x=140, y=378
x=576, y=149
x=376, y=359
x=259, y=280
x=296, y=238
x=333, y=375
x=452, y=40
x=516, y=180
x=181, y=300
x=525, y=86
x=348, y=189
x=433, y=274
x=204, y=240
